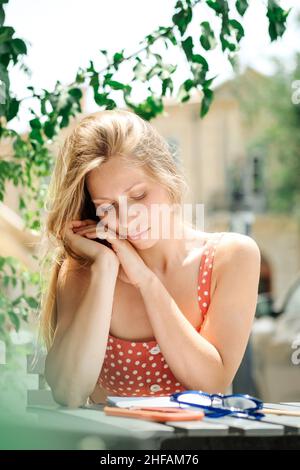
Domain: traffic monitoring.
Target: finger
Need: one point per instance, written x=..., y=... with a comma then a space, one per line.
x=84, y=228
x=76, y=223
x=91, y=234
x=82, y=223
x=70, y=228
x=87, y=230
x=103, y=229
x=67, y=229
x=91, y=221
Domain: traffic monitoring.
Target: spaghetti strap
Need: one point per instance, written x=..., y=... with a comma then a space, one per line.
x=205, y=273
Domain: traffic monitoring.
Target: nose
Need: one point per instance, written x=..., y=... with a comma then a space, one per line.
x=126, y=220
x=134, y=223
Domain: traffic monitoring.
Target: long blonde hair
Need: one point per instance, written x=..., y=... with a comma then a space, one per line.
x=95, y=139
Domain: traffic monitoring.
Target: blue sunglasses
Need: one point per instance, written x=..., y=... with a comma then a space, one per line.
x=217, y=405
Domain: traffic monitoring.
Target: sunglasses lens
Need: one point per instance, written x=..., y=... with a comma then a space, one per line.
x=195, y=399
x=239, y=403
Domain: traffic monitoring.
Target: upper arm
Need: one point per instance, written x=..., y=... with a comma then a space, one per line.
x=72, y=282
x=232, y=308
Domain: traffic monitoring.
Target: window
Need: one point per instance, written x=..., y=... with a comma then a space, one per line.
x=257, y=175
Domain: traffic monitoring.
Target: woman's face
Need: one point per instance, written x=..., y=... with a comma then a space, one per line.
x=129, y=202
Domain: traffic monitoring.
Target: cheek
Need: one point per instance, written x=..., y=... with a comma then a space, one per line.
x=158, y=208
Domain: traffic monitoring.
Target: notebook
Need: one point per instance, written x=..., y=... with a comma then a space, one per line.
x=128, y=402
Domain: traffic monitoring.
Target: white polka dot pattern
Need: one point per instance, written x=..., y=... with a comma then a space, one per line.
x=138, y=368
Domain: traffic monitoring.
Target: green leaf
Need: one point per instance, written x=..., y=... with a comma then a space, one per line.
x=19, y=46
x=207, y=38
x=2, y=15
x=2, y=262
x=155, y=70
x=94, y=82
x=4, y=76
x=149, y=108
x=75, y=93
x=80, y=76
x=49, y=129
x=13, y=108
x=167, y=83
x=118, y=56
x=188, y=46
x=35, y=135
x=6, y=33
x=215, y=5
x=32, y=302
x=117, y=59
x=199, y=59
x=183, y=92
x=208, y=82
x=35, y=124
x=183, y=16
x=171, y=37
x=100, y=98
x=206, y=101
x=238, y=28
x=22, y=204
x=241, y=6
x=277, y=19
x=115, y=85
x=227, y=45
x=14, y=319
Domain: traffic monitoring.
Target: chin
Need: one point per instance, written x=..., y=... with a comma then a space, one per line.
x=143, y=244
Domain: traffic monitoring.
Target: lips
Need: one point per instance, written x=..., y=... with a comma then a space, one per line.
x=138, y=235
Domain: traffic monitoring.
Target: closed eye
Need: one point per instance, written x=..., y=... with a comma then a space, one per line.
x=140, y=197
x=107, y=208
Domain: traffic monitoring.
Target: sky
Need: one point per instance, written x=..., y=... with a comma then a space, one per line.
x=64, y=35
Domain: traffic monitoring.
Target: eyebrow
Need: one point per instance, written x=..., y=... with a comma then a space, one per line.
x=126, y=191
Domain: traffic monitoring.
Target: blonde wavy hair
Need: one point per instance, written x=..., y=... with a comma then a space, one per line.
x=95, y=139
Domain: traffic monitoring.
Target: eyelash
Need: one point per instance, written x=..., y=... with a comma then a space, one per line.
x=136, y=198
x=140, y=197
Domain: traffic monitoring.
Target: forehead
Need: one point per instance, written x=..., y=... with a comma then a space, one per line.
x=112, y=177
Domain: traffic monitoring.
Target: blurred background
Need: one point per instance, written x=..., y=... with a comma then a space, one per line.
x=241, y=158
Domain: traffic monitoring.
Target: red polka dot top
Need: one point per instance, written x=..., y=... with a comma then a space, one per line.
x=138, y=368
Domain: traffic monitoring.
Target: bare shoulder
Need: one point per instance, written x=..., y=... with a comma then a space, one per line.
x=230, y=242
x=233, y=243
x=236, y=251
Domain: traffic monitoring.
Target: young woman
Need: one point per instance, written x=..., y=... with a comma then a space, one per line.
x=133, y=309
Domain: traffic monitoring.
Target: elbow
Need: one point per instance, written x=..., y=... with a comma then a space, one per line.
x=62, y=392
x=212, y=388
x=67, y=399
x=223, y=386
x=220, y=382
